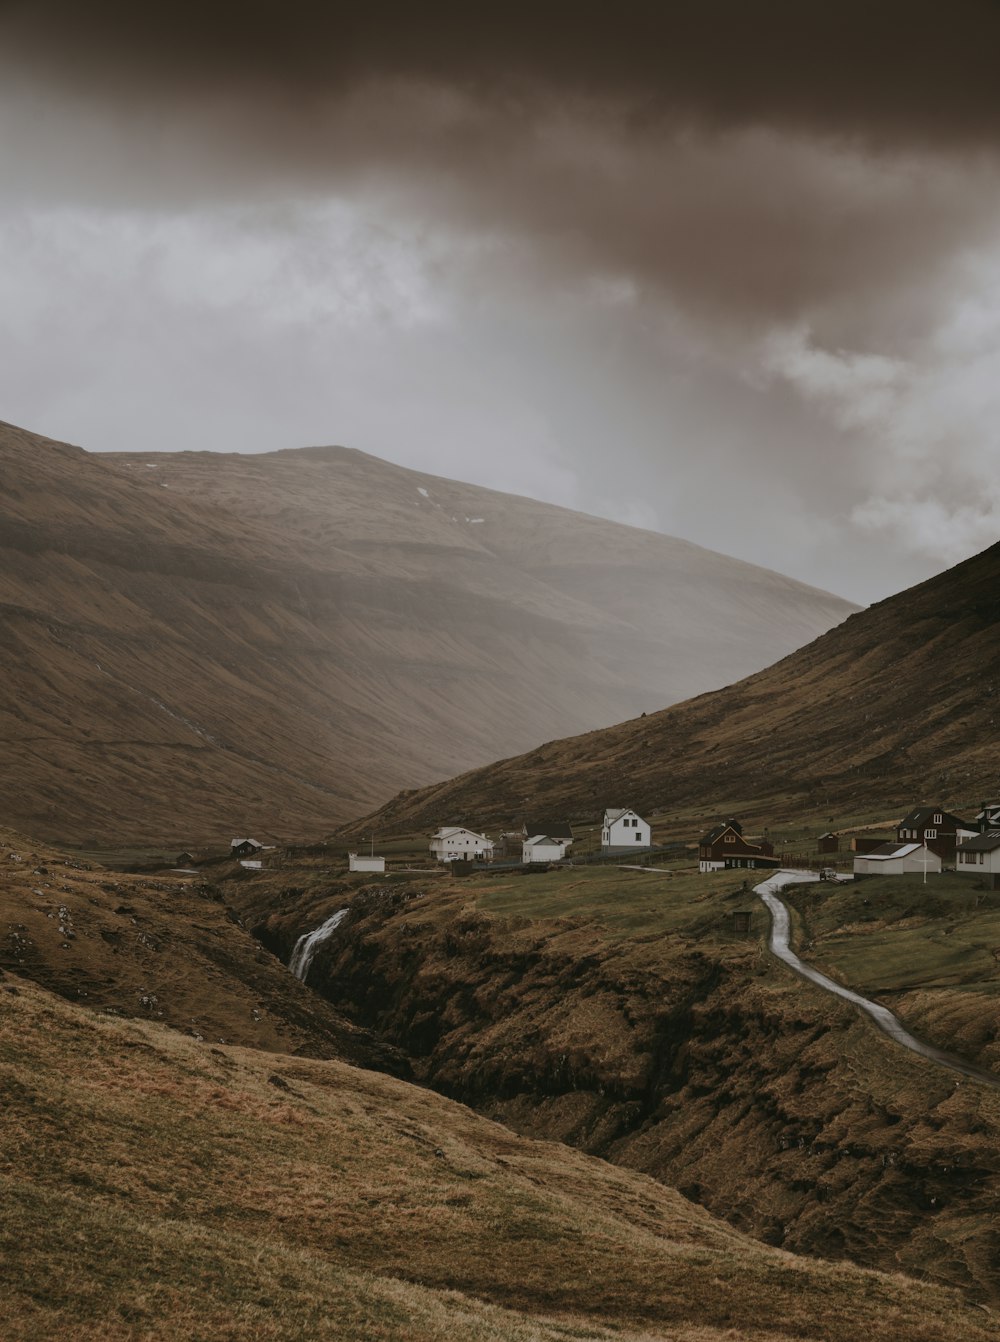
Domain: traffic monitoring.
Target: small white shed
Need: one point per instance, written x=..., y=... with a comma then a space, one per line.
x=897, y=859
x=542, y=848
x=624, y=831
x=365, y=862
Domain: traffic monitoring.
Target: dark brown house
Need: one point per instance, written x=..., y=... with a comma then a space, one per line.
x=724, y=847
x=939, y=829
x=244, y=848
x=828, y=843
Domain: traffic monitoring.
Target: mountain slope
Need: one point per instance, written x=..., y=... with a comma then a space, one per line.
x=897, y=704
x=156, y=1187
x=195, y=645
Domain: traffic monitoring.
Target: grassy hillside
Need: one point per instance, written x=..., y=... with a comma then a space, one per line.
x=621, y=1012
x=896, y=705
x=154, y=1186
x=930, y=952
x=163, y=948
x=194, y=646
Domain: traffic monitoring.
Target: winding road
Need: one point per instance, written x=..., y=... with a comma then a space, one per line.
x=883, y=1018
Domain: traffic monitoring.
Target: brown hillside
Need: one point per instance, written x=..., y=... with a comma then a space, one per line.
x=620, y=1012
x=198, y=645
x=162, y=948
x=154, y=1187
x=898, y=703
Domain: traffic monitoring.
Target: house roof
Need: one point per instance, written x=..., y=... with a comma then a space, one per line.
x=890, y=850
x=923, y=815
x=717, y=831
x=238, y=843
x=555, y=829
x=982, y=843
x=540, y=840
x=448, y=831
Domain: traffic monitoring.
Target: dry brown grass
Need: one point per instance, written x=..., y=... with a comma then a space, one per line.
x=154, y=1187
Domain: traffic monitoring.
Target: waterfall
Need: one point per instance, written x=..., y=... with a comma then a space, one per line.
x=309, y=943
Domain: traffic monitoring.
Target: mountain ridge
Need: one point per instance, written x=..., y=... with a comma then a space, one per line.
x=198, y=644
x=896, y=704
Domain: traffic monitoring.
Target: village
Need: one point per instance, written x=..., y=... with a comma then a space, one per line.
x=928, y=840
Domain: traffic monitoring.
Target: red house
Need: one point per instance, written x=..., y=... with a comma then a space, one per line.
x=724, y=847
x=939, y=829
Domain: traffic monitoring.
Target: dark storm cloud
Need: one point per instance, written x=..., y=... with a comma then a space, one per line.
x=747, y=241
x=896, y=68
x=762, y=160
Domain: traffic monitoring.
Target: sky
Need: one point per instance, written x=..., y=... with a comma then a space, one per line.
x=723, y=269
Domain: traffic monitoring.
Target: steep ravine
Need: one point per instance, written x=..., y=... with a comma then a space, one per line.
x=700, y=1062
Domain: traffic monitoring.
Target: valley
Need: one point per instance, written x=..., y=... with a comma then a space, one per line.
x=618, y=1011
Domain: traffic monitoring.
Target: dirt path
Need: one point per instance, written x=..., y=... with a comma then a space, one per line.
x=882, y=1016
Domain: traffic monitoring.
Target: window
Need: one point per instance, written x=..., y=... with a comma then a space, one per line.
x=938, y=818
x=930, y=833
x=638, y=838
x=730, y=838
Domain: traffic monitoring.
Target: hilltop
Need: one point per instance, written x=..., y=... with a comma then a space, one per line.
x=196, y=645
x=897, y=704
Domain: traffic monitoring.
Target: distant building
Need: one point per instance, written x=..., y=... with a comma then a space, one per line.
x=828, y=843
x=624, y=831
x=980, y=856
x=244, y=847
x=725, y=847
x=365, y=862
x=939, y=829
x=988, y=818
x=543, y=848
x=554, y=829
x=867, y=843
x=455, y=843
x=897, y=859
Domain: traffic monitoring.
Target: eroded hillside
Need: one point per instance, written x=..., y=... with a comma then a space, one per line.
x=620, y=1012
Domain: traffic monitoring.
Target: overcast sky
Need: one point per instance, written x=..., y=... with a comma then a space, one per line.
x=723, y=269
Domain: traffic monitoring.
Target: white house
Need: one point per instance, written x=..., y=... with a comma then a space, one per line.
x=988, y=817
x=455, y=843
x=624, y=831
x=365, y=862
x=897, y=859
x=543, y=848
x=980, y=856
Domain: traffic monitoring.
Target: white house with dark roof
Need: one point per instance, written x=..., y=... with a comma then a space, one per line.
x=897, y=859
x=624, y=831
x=543, y=848
x=988, y=817
x=980, y=856
x=456, y=843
